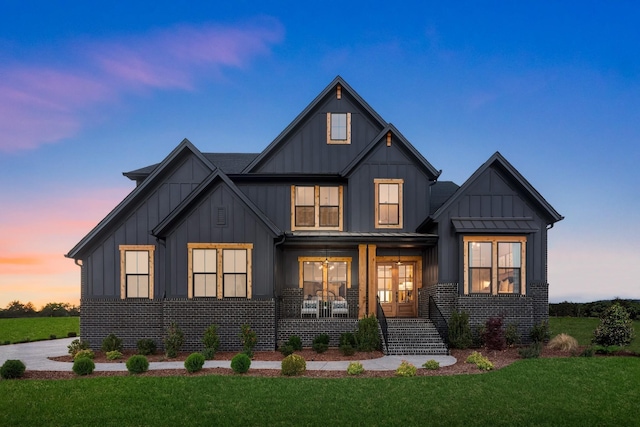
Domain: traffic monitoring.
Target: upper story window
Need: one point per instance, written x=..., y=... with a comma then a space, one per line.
x=494, y=264
x=388, y=203
x=219, y=270
x=315, y=207
x=338, y=128
x=136, y=271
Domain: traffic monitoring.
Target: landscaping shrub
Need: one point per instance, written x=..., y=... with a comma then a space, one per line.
x=293, y=364
x=480, y=361
x=347, y=350
x=587, y=352
x=146, y=346
x=241, y=363
x=7, y=342
x=367, y=335
x=194, y=362
x=53, y=337
x=511, y=335
x=532, y=351
x=540, y=332
x=137, y=364
x=355, y=368
x=563, y=342
x=114, y=355
x=616, y=327
x=607, y=350
x=211, y=341
x=406, y=369
x=71, y=334
x=321, y=343
x=286, y=349
x=459, y=330
x=84, y=353
x=83, y=366
x=209, y=353
x=295, y=342
x=476, y=338
x=431, y=365
x=249, y=340
x=77, y=345
x=347, y=344
x=111, y=342
x=173, y=341
x=12, y=369
x=493, y=335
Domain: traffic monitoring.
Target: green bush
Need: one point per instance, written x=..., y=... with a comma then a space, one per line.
x=607, y=350
x=355, y=368
x=146, y=346
x=286, y=349
x=83, y=366
x=511, y=335
x=209, y=353
x=137, y=364
x=77, y=345
x=111, y=342
x=587, y=352
x=173, y=341
x=347, y=350
x=71, y=334
x=211, y=340
x=293, y=364
x=532, y=351
x=540, y=332
x=114, y=355
x=367, y=335
x=431, y=365
x=459, y=330
x=249, y=340
x=53, y=337
x=406, y=369
x=347, y=344
x=12, y=369
x=295, y=342
x=240, y=363
x=615, y=328
x=321, y=343
x=480, y=361
x=84, y=353
x=194, y=362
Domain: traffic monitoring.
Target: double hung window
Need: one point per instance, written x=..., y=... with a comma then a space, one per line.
x=494, y=265
x=220, y=270
x=316, y=207
x=136, y=271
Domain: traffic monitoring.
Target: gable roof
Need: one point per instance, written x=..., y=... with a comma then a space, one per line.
x=271, y=148
x=441, y=191
x=165, y=225
x=498, y=159
x=184, y=146
x=406, y=145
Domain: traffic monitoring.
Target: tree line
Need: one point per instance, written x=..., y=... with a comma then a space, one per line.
x=52, y=309
x=593, y=309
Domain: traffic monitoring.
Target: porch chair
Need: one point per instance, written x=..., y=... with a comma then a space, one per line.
x=310, y=306
x=339, y=307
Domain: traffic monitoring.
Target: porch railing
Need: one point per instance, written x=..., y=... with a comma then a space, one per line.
x=439, y=321
x=382, y=320
x=326, y=306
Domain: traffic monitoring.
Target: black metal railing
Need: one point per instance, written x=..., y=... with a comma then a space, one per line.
x=382, y=320
x=439, y=321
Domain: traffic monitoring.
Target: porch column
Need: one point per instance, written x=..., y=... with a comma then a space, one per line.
x=372, y=282
x=362, y=281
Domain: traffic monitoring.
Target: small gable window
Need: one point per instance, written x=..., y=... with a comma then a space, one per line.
x=494, y=264
x=218, y=270
x=136, y=271
x=388, y=203
x=316, y=207
x=338, y=128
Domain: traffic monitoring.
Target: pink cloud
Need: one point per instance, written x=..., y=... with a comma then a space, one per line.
x=43, y=104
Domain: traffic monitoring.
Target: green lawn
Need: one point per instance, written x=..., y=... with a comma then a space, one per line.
x=581, y=328
x=535, y=392
x=37, y=328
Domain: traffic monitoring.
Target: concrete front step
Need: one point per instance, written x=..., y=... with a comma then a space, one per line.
x=413, y=336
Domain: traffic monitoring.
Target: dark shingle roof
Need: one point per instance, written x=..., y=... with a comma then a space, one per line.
x=441, y=191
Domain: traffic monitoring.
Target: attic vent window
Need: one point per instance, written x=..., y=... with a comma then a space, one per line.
x=388, y=139
x=338, y=128
x=221, y=217
x=339, y=92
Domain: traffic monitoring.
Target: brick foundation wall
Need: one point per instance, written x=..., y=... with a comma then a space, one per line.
x=308, y=329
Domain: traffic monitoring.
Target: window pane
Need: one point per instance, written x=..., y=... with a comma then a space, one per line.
x=329, y=196
x=136, y=262
x=509, y=280
x=388, y=214
x=384, y=283
x=329, y=217
x=388, y=193
x=312, y=278
x=137, y=286
x=235, y=285
x=480, y=279
x=509, y=254
x=204, y=285
x=305, y=196
x=204, y=260
x=305, y=216
x=339, y=126
x=479, y=254
x=234, y=260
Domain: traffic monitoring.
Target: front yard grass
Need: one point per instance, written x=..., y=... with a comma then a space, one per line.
x=37, y=328
x=535, y=392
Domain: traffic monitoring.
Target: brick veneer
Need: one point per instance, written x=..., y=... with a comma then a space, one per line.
x=308, y=329
x=132, y=320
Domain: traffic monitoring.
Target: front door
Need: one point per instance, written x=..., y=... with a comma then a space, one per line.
x=396, y=289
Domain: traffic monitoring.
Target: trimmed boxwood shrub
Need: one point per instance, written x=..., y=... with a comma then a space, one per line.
x=240, y=363
x=12, y=369
x=367, y=336
x=293, y=364
x=286, y=349
x=209, y=353
x=321, y=343
x=137, y=364
x=295, y=342
x=194, y=362
x=146, y=346
x=83, y=366
x=111, y=342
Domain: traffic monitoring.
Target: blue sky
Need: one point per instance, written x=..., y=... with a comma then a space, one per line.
x=89, y=90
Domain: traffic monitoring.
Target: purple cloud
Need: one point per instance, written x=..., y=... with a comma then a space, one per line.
x=40, y=105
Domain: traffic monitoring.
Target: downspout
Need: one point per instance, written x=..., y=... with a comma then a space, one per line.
x=275, y=297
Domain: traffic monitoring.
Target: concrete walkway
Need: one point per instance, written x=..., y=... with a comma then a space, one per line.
x=34, y=356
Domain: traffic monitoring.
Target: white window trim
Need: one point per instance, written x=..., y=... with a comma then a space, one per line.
x=219, y=267
x=400, y=183
x=338, y=141
x=494, y=262
x=123, y=273
x=316, y=196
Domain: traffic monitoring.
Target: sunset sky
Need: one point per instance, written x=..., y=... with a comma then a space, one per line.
x=89, y=90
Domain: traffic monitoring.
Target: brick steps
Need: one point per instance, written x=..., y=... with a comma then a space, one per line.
x=413, y=336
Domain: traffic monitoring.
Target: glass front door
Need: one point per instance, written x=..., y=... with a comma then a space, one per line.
x=397, y=289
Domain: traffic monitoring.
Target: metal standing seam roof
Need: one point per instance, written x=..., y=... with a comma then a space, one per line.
x=504, y=225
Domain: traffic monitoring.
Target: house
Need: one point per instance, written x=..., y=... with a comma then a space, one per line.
x=339, y=217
